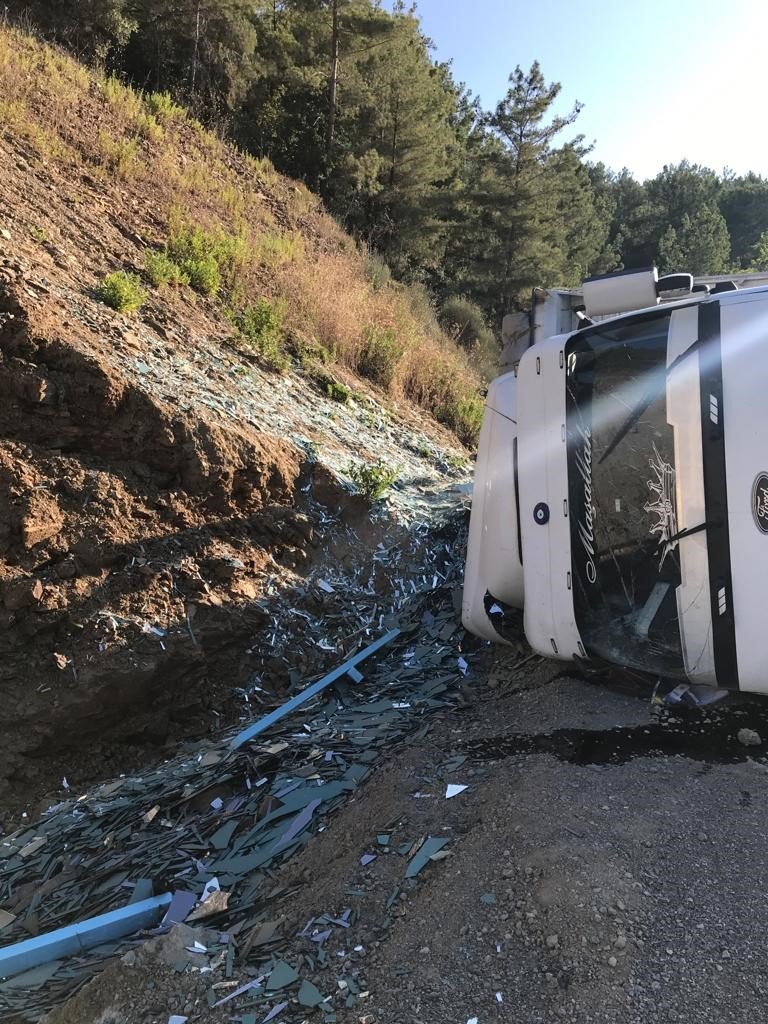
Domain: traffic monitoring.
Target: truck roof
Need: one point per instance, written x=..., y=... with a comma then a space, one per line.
x=556, y=311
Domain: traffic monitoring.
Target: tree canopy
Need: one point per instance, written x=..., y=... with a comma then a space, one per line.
x=478, y=205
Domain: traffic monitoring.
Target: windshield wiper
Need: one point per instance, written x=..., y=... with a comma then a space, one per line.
x=690, y=530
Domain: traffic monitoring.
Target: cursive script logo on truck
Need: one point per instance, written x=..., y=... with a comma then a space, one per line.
x=586, y=523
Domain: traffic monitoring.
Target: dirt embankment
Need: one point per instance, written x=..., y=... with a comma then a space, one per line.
x=158, y=487
x=149, y=516
x=136, y=540
x=115, y=513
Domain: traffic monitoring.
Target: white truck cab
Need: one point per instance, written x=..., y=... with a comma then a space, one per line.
x=621, y=488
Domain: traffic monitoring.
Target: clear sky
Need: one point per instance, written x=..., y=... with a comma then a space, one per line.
x=660, y=81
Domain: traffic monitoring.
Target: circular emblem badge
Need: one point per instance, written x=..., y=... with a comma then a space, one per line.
x=541, y=513
x=760, y=502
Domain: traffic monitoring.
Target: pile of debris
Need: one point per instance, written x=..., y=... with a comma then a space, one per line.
x=212, y=825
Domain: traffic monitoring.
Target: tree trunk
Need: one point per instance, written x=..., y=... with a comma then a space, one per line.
x=395, y=126
x=196, y=51
x=333, y=80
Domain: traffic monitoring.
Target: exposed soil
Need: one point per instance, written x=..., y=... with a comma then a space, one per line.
x=158, y=488
x=119, y=519
x=143, y=523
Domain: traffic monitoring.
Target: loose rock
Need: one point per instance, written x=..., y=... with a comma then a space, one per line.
x=749, y=738
x=21, y=593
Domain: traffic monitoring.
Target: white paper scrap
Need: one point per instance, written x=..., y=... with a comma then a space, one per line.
x=325, y=587
x=452, y=790
x=176, y=1018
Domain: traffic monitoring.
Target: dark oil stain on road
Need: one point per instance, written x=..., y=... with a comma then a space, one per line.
x=708, y=736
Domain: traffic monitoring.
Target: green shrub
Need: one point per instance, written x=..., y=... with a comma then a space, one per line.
x=162, y=270
x=121, y=156
x=149, y=127
x=311, y=354
x=464, y=319
x=465, y=322
x=422, y=306
x=380, y=355
x=38, y=234
x=377, y=269
x=122, y=97
x=373, y=480
x=456, y=462
x=122, y=292
x=204, y=274
x=188, y=242
x=273, y=250
x=160, y=104
x=464, y=415
x=260, y=327
x=212, y=260
x=337, y=391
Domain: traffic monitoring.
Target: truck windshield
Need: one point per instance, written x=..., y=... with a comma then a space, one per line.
x=621, y=487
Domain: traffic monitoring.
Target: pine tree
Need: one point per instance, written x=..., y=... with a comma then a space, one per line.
x=532, y=184
x=204, y=51
x=671, y=257
x=700, y=246
x=760, y=257
x=606, y=255
x=744, y=204
x=396, y=146
x=683, y=188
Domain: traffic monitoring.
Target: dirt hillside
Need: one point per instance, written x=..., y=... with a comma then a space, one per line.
x=158, y=482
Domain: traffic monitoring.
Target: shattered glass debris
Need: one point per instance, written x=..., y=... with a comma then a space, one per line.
x=236, y=815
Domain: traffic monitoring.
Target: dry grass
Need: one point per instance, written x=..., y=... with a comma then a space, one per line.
x=289, y=251
x=121, y=156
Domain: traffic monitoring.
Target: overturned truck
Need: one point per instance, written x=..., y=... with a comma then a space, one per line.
x=621, y=488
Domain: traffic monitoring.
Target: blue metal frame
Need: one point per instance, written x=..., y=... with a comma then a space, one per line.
x=76, y=938
x=345, y=669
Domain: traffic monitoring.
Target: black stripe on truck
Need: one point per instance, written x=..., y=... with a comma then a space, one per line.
x=715, y=496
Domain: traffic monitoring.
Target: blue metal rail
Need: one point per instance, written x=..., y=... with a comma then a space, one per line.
x=345, y=669
x=76, y=938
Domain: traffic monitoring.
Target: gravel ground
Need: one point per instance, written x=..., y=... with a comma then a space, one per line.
x=591, y=876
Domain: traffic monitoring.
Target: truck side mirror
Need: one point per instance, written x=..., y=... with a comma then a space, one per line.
x=675, y=283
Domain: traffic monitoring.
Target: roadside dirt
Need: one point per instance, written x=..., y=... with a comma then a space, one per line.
x=601, y=881
x=144, y=521
x=119, y=517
